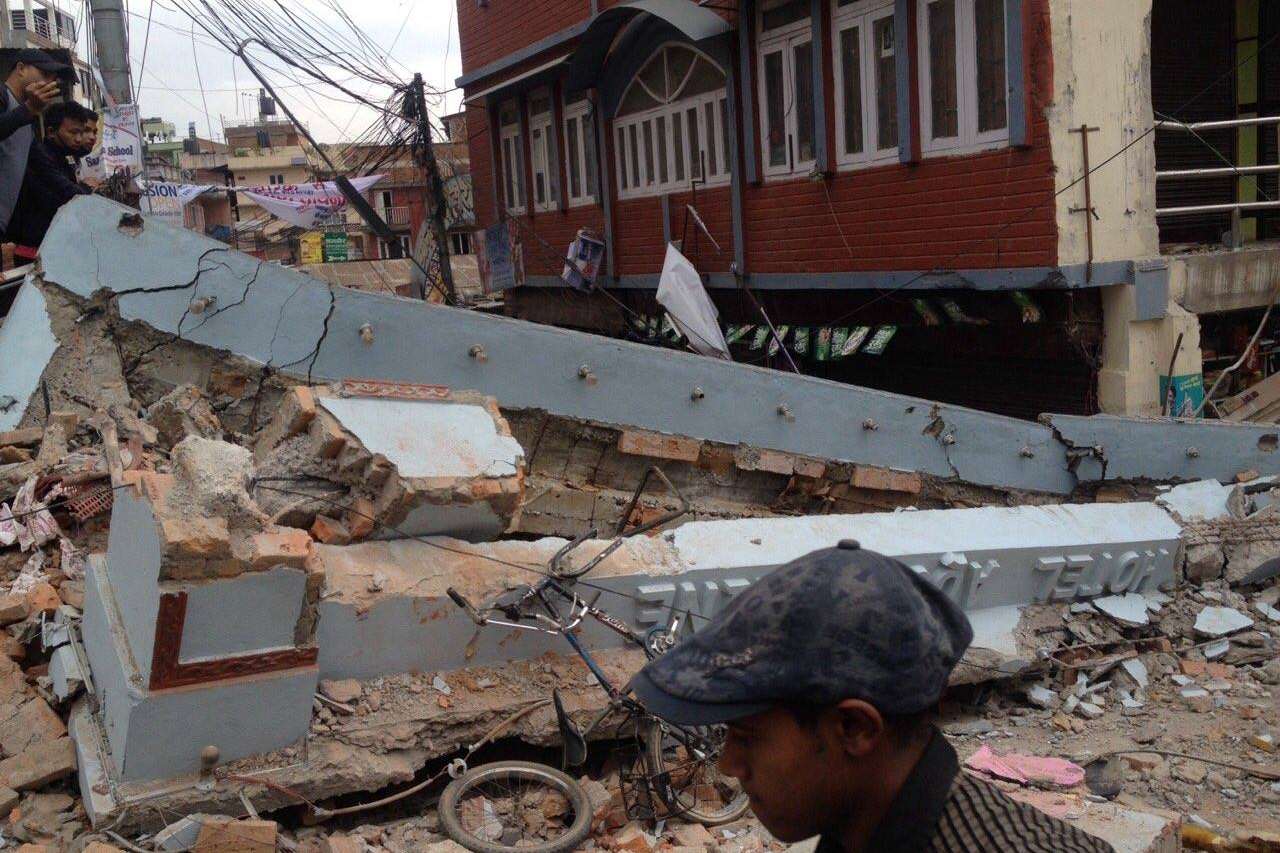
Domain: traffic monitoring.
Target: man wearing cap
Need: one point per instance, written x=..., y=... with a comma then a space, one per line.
x=29, y=89
x=825, y=673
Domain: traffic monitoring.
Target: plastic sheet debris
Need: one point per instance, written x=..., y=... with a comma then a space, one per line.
x=1040, y=771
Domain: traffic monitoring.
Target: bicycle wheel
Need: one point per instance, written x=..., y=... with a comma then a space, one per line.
x=515, y=805
x=683, y=763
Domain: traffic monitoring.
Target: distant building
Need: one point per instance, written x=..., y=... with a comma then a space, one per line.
x=47, y=25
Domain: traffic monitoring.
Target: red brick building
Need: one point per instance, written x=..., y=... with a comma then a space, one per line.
x=904, y=163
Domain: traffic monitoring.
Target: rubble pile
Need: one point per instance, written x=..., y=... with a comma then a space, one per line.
x=54, y=497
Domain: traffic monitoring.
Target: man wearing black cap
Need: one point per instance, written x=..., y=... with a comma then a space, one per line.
x=29, y=89
x=825, y=673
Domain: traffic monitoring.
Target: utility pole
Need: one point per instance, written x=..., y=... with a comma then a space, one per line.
x=111, y=34
x=436, y=188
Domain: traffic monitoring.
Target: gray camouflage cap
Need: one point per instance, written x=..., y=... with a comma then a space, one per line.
x=839, y=623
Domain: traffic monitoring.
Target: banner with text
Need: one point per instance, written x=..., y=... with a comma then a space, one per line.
x=307, y=205
x=119, y=146
x=167, y=202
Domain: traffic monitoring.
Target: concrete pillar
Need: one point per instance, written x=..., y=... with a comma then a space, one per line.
x=1136, y=353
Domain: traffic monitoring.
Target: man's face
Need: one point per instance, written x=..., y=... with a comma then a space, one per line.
x=787, y=771
x=88, y=136
x=69, y=133
x=29, y=75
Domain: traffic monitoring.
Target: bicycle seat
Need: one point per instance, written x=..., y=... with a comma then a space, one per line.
x=575, y=745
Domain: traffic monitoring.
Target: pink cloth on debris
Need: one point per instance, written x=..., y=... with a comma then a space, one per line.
x=1026, y=769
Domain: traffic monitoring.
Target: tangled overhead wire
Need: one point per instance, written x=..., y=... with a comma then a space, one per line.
x=315, y=45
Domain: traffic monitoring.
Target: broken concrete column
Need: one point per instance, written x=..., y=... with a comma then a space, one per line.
x=416, y=460
x=199, y=620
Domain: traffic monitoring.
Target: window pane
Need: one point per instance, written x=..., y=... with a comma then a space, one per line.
x=775, y=110
x=539, y=146
x=942, y=69
x=713, y=164
x=663, y=175
x=804, y=101
x=508, y=171
x=851, y=83
x=988, y=16
x=695, y=148
x=518, y=166
x=679, y=63
x=654, y=76
x=636, y=100
x=704, y=78
x=589, y=155
x=622, y=157
x=575, y=170
x=724, y=132
x=677, y=144
x=886, y=84
x=648, y=153
x=635, y=156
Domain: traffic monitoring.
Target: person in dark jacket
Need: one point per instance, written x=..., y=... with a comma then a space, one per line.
x=28, y=91
x=50, y=180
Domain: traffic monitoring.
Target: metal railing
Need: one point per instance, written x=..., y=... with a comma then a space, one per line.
x=1194, y=128
x=42, y=27
x=394, y=215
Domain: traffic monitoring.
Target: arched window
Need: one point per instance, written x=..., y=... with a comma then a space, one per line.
x=672, y=122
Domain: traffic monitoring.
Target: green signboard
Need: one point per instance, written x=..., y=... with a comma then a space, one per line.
x=335, y=246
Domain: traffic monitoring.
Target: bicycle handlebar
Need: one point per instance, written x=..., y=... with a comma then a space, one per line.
x=460, y=600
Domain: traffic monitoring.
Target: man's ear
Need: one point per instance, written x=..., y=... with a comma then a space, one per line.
x=860, y=727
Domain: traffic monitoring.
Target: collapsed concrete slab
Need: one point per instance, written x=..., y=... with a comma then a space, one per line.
x=27, y=343
x=416, y=460
x=279, y=318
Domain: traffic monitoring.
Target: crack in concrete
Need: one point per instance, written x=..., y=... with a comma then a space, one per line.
x=243, y=298
x=1075, y=453
x=311, y=357
x=186, y=312
x=937, y=429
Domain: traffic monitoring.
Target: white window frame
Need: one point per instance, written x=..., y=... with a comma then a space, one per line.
x=968, y=140
x=634, y=178
x=541, y=125
x=863, y=15
x=511, y=154
x=581, y=113
x=785, y=39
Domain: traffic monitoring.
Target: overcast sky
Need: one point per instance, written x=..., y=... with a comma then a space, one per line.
x=418, y=35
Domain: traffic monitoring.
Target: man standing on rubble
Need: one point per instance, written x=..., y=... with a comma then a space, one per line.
x=826, y=672
x=29, y=89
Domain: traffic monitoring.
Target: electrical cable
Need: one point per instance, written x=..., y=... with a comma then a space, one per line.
x=146, y=42
x=196, y=59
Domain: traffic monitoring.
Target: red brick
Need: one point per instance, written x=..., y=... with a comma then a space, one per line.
x=286, y=547
x=330, y=531
x=360, y=519
x=39, y=765
x=43, y=598
x=1193, y=668
x=659, y=446
x=885, y=479
x=13, y=608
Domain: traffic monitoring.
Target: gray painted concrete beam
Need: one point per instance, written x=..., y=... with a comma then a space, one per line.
x=282, y=318
x=1111, y=448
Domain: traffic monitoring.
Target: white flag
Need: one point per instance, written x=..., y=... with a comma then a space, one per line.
x=680, y=291
x=307, y=205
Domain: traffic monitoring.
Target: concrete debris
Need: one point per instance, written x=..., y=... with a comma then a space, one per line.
x=1220, y=621
x=412, y=460
x=1129, y=609
x=183, y=412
